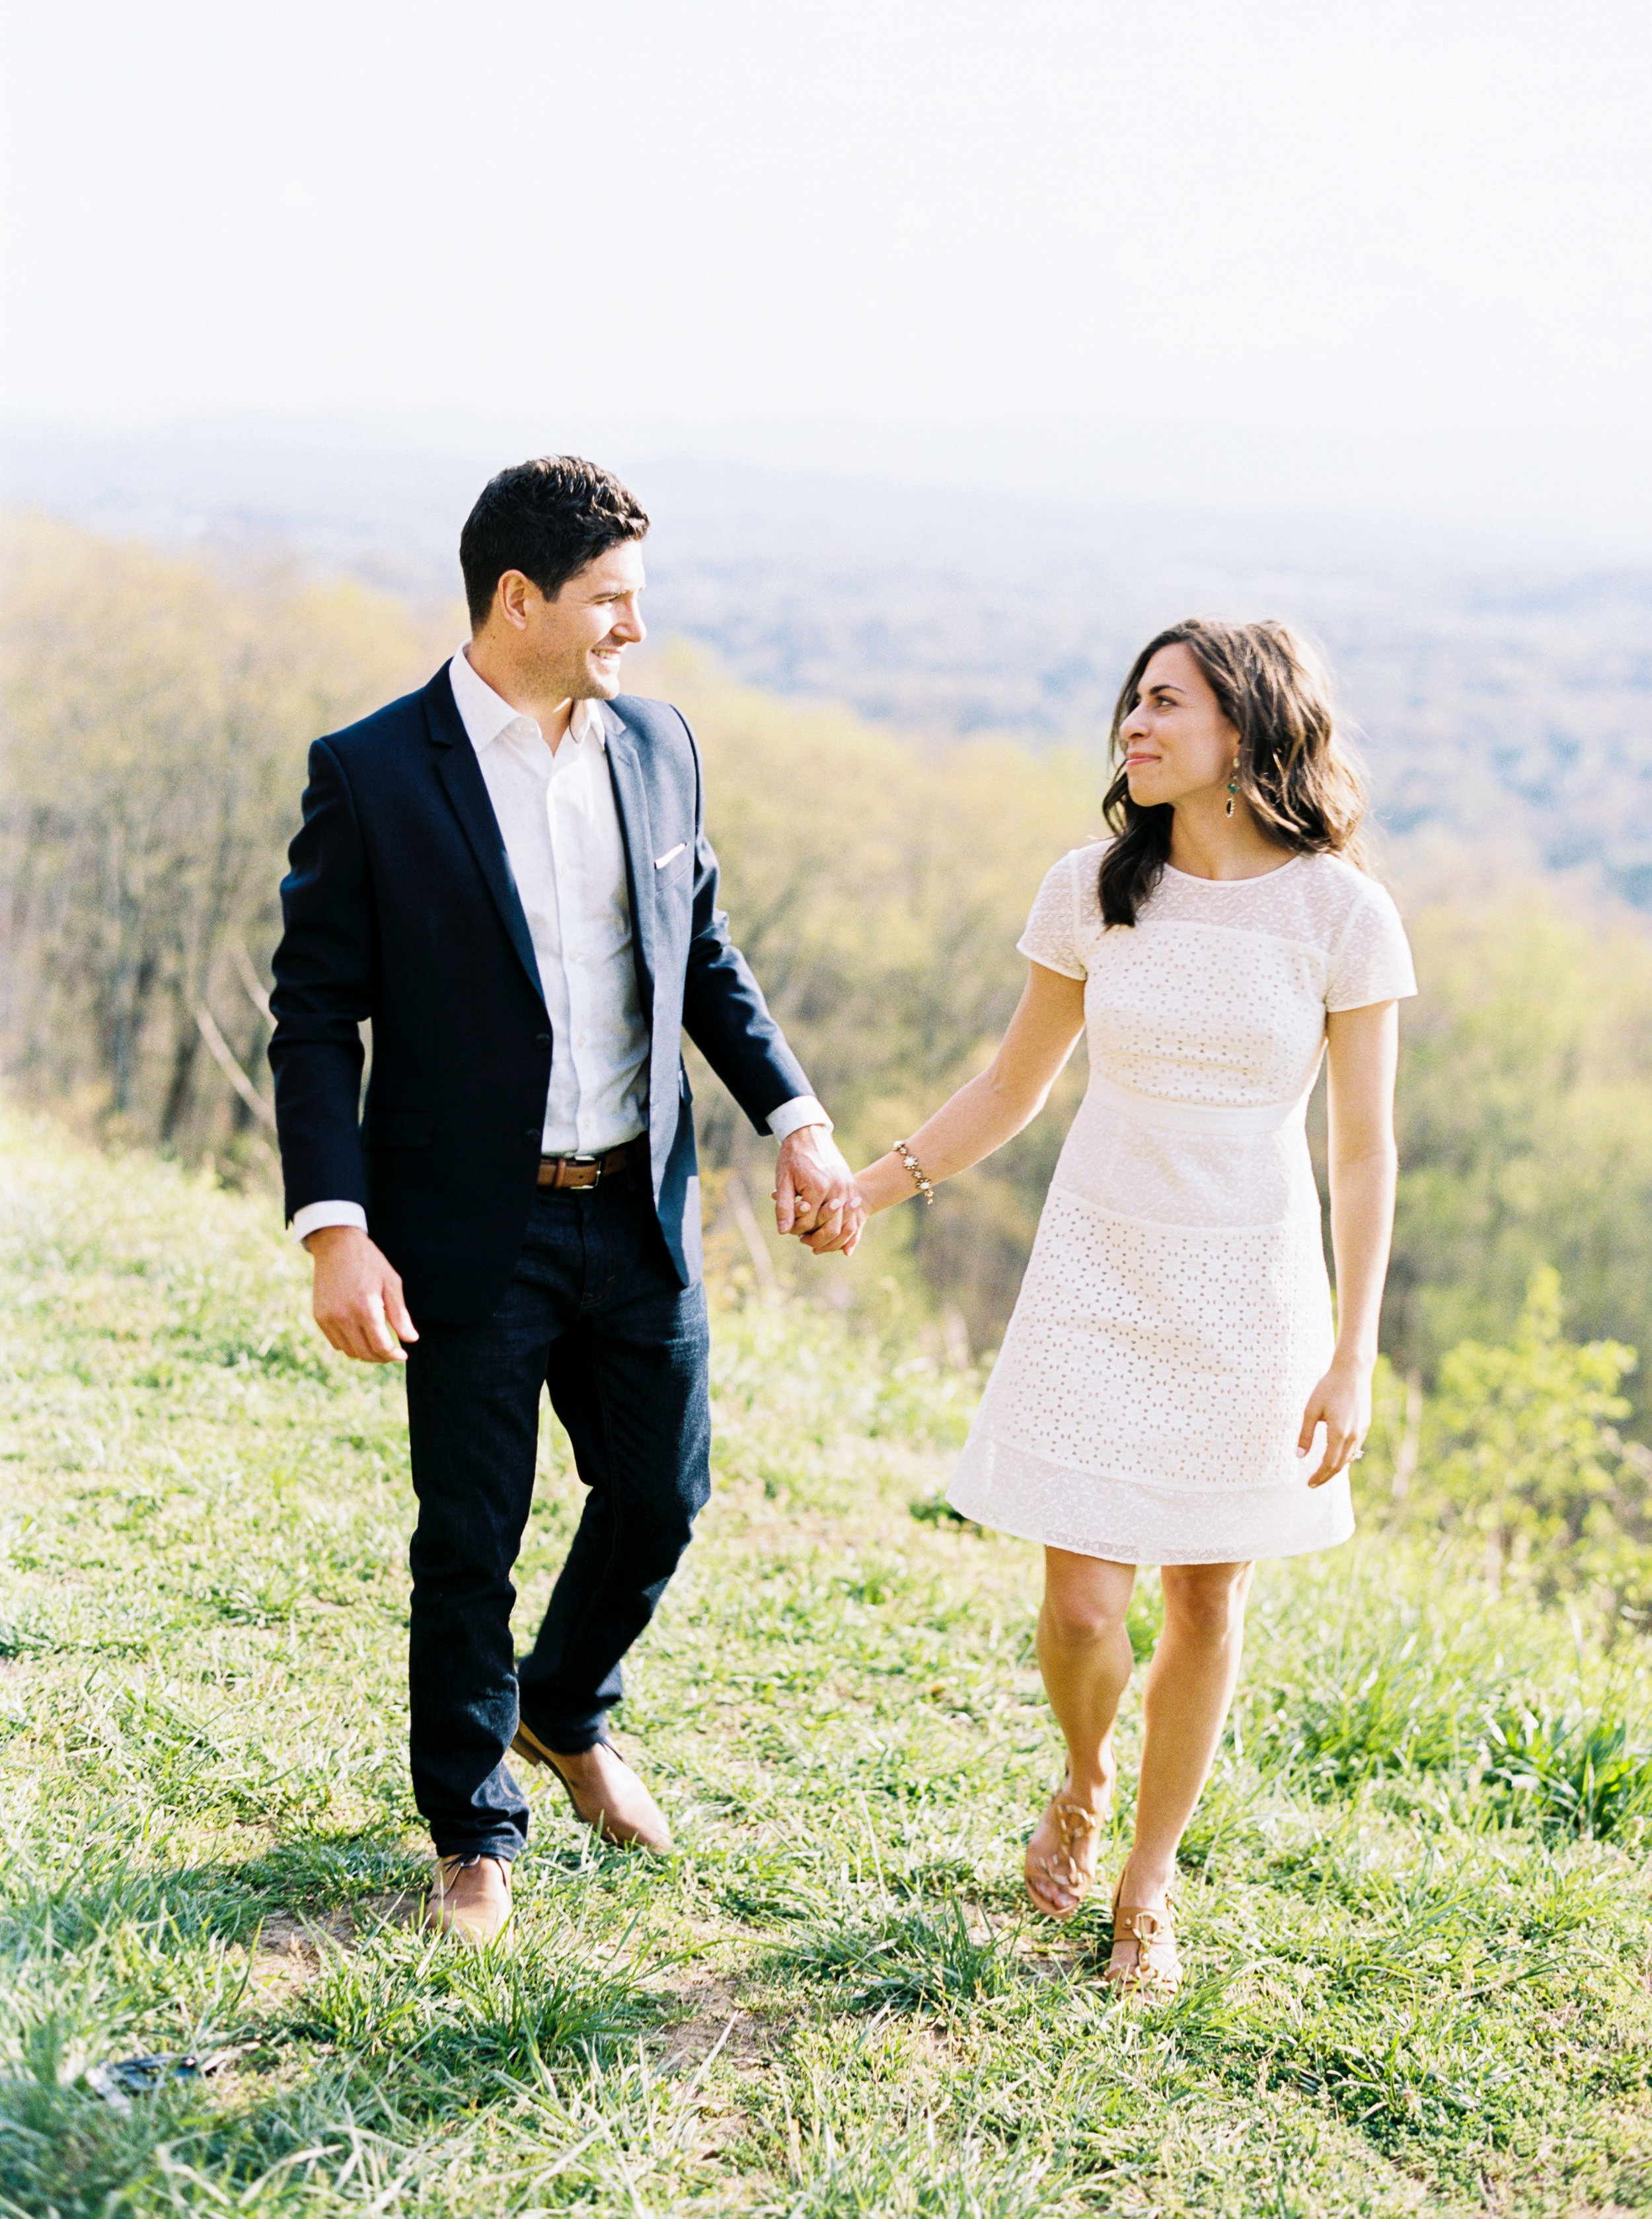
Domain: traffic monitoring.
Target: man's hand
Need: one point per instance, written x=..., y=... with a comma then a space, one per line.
x=815, y=1193
x=358, y=1299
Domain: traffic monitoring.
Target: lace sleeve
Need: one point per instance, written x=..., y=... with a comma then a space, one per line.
x=1371, y=960
x=1052, y=934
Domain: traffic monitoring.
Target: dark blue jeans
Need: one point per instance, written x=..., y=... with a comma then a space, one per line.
x=594, y=1313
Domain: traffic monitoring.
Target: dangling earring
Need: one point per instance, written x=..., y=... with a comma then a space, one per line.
x=1232, y=786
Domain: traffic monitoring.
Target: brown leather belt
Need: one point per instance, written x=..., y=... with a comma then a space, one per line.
x=568, y=1172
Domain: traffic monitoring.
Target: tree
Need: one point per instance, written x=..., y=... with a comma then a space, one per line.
x=1524, y=1123
x=1526, y=1449
x=155, y=719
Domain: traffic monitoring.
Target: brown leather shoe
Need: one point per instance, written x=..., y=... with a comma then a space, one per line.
x=470, y=1899
x=606, y=1794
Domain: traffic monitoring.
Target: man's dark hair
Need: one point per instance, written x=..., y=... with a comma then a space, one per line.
x=548, y=518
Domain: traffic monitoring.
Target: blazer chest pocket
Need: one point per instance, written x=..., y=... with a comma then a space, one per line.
x=399, y=1128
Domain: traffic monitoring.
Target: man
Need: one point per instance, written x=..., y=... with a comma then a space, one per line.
x=508, y=874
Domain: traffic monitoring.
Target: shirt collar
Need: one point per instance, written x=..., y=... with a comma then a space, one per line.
x=486, y=714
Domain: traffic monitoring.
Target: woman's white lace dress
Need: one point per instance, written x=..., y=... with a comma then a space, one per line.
x=1176, y=1312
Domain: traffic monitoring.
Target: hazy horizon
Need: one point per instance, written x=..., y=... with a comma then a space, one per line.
x=1560, y=497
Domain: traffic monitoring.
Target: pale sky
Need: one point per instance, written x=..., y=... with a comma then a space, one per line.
x=933, y=211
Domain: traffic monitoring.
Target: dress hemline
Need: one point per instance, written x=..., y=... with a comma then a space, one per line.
x=1157, y=1561
x=1302, y=1522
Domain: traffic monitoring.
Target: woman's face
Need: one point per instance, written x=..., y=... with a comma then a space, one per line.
x=1176, y=741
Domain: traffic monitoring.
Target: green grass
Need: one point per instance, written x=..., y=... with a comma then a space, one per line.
x=1414, y=1901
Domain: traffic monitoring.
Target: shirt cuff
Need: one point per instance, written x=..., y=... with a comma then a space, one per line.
x=315, y=1215
x=792, y=1116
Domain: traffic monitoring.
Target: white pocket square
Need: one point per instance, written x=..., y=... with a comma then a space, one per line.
x=670, y=855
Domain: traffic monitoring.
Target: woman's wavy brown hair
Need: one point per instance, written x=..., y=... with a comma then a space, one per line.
x=1304, y=787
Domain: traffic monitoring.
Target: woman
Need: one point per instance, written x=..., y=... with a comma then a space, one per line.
x=1171, y=1389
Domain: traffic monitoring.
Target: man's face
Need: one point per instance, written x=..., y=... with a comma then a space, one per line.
x=571, y=648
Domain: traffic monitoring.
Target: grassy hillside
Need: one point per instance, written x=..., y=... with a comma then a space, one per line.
x=1415, y=1906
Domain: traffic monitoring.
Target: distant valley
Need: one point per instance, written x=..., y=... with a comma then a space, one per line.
x=1500, y=678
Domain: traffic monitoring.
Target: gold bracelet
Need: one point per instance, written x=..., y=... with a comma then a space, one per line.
x=916, y=1169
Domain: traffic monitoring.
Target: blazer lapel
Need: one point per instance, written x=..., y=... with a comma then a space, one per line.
x=467, y=790
x=631, y=797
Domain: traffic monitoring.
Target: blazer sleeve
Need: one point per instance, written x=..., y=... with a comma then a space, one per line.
x=326, y=979
x=724, y=1011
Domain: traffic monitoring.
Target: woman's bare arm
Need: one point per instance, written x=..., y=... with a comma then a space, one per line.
x=992, y=1108
x=1364, y=1048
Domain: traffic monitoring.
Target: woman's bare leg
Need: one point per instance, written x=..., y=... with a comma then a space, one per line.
x=1084, y=1652
x=1190, y=1684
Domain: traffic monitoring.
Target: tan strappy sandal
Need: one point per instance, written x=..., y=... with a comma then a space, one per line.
x=1075, y=1825
x=1157, y=1974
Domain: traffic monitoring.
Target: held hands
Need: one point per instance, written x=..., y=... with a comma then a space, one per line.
x=1342, y=1404
x=358, y=1298
x=815, y=1193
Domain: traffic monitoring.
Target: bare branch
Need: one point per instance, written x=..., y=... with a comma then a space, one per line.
x=223, y=1056
x=250, y=978
x=751, y=1232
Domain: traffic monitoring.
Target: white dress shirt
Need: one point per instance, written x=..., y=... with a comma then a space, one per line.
x=560, y=823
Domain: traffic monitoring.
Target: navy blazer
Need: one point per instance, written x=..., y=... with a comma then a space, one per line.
x=399, y=907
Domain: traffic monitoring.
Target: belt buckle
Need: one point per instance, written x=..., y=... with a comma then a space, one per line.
x=591, y=1163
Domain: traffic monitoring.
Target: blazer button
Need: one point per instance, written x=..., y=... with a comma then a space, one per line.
x=542, y=1040
x=532, y=1137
